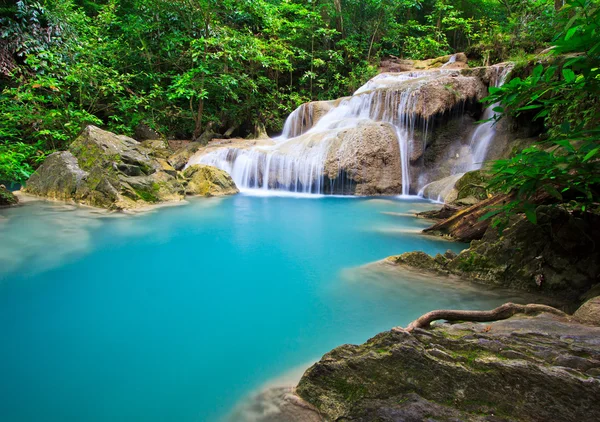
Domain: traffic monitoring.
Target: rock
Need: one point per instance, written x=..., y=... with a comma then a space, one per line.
x=144, y=132
x=59, y=177
x=589, y=312
x=556, y=257
x=443, y=213
x=368, y=158
x=208, y=181
x=442, y=190
x=7, y=198
x=473, y=184
x=394, y=64
x=181, y=157
x=418, y=260
x=463, y=372
x=105, y=170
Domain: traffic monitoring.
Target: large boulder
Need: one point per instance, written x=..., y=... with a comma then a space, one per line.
x=368, y=157
x=59, y=177
x=7, y=198
x=105, y=170
x=522, y=369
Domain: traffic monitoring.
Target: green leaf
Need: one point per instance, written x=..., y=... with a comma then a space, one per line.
x=490, y=214
x=571, y=32
x=591, y=154
x=530, y=214
x=530, y=107
x=569, y=75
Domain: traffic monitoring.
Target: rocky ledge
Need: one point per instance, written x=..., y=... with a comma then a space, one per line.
x=110, y=171
x=7, y=198
x=557, y=256
x=526, y=368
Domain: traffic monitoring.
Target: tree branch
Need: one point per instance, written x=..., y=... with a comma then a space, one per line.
x=502, y=312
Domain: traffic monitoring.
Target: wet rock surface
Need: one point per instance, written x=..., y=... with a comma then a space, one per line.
x=538, y=368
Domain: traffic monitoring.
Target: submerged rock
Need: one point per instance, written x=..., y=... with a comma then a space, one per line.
x=7, y=198
x=105, y=170
x=522, y=369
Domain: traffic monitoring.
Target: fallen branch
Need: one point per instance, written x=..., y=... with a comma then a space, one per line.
x=501, y=312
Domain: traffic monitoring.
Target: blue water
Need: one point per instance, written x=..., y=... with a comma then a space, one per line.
x=179, y=314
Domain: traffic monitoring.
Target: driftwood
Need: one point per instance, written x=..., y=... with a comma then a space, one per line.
x=502, y=312
x=465, y=225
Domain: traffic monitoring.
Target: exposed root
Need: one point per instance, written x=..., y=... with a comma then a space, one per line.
x=501, y=312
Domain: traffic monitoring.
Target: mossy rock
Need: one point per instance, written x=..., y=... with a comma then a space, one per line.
x=473, y=184
x=208, y=181
x=106, y=170
x=7, y=198
x=466, y=372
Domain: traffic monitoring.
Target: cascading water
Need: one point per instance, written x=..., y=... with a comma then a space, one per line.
x=479, y=144
x=296, y=161
x=485, y=132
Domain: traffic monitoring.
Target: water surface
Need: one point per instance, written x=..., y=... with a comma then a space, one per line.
x=179, y=314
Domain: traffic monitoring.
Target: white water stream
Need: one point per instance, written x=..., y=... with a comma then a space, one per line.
x=295, y=161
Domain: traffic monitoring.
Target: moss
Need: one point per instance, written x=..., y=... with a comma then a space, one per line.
x=6, y=197
x=350, y=392
x=147, y=196
x=472, y=261
x=474, y=184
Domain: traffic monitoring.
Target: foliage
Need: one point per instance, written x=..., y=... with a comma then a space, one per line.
x=563, y=91
x=183, y=67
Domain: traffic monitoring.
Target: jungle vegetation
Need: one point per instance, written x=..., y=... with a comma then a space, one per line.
x=238, y=67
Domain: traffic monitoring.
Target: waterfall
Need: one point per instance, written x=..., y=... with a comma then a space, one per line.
x=296, y=160
x=479, y=143
x=452, y=60
x=485, y=132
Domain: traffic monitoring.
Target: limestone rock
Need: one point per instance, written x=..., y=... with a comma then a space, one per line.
x=7, y=198
x=116, y=172
x=181, y=157
x=589, y=312
x=208, y=181
x=522, y=369
x=368, y=157
x=59, y=177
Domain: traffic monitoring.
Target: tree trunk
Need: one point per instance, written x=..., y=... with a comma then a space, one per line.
x=337, y=4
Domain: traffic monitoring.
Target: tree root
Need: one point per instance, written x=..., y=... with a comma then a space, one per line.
x=501, y=312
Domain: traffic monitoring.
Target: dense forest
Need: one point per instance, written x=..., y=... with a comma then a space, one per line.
x=238, y=67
